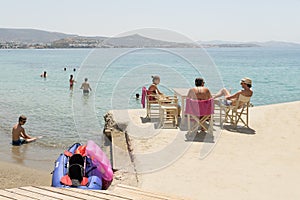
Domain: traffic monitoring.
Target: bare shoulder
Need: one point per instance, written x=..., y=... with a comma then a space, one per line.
x=16, y=127
x=206, y=89
x=191, y=90
x=152, y=87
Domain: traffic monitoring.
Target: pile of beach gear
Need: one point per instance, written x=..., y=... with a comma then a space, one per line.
x=83, y=166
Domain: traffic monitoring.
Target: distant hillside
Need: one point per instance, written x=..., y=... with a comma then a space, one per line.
x=32, y=38
x=277, y=44
x=137, y=40
x=131, y=41
x=220, y=43
x=30, y=35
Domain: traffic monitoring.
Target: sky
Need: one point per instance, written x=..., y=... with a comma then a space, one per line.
x=205, y=20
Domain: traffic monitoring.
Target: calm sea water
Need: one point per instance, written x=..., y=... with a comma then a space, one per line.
x=63, y=116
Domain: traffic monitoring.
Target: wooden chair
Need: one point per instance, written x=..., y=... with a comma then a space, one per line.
x=236, y=113
x=168, y=112
x=150, y=101
x=201, y=111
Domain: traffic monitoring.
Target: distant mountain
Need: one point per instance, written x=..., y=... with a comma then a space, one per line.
x=29, y=38
x=33, y=38
x=137, y=40
x=220, y=43
x=131, y=41
x=277, y=44
x=30, y=35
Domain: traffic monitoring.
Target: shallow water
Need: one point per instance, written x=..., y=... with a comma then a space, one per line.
x=63, y=116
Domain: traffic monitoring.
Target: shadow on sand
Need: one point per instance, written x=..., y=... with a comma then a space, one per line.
x=199, y=136
x=239, y=129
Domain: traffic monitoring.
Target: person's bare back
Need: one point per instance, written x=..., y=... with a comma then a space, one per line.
x=199, y=92
x=86, y=86
x=18, y=131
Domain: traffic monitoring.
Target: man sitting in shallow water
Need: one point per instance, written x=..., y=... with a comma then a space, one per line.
x=18, y=131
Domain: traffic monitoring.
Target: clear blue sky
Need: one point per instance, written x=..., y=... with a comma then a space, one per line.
x=232, y=20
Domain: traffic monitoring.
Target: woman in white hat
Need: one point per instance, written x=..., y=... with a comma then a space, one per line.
x=246, y=84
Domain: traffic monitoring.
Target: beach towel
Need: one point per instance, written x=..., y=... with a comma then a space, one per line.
x=143, y=100
x=199, y=107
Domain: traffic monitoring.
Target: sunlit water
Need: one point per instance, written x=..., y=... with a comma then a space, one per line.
x=63, y=116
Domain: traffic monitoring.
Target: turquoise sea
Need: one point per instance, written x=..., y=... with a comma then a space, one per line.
x=63, y=116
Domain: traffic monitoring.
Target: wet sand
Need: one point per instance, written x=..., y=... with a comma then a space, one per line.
x=28, y=164
x=16, y=175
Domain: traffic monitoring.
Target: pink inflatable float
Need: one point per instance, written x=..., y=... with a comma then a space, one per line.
x=100, y=160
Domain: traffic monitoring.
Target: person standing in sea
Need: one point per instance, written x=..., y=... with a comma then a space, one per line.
x=86, y=87
x=72, y=81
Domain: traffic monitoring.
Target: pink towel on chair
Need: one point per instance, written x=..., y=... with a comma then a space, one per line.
x=143, y=100
x=199, y=107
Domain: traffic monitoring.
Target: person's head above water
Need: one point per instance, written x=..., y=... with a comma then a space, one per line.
x=44, y=74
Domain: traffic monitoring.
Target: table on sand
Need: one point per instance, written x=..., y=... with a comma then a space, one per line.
x=182, y=93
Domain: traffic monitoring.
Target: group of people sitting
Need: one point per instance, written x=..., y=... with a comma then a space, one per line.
x=200, y=92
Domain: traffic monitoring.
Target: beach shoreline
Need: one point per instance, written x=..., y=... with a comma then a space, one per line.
x=263, y=165
x=16, y=175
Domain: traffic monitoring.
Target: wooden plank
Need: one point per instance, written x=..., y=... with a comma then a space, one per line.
x=4, y=198
x=48, y=193
x=103, y=194
x=28, y=193
x=121, y=192
x=75, y=193
x=13, y=195
x=137, y=193
x=113, y=195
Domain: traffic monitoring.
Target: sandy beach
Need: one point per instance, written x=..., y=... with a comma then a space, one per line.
x=262, y=163
x=14, y=175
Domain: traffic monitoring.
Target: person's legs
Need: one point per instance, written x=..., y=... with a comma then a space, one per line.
x=222, y=92
x=18, y=142
x=179, y=110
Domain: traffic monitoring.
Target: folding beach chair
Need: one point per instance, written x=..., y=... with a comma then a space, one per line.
x=151, y=102
x=238, y=112
x=201, y=111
